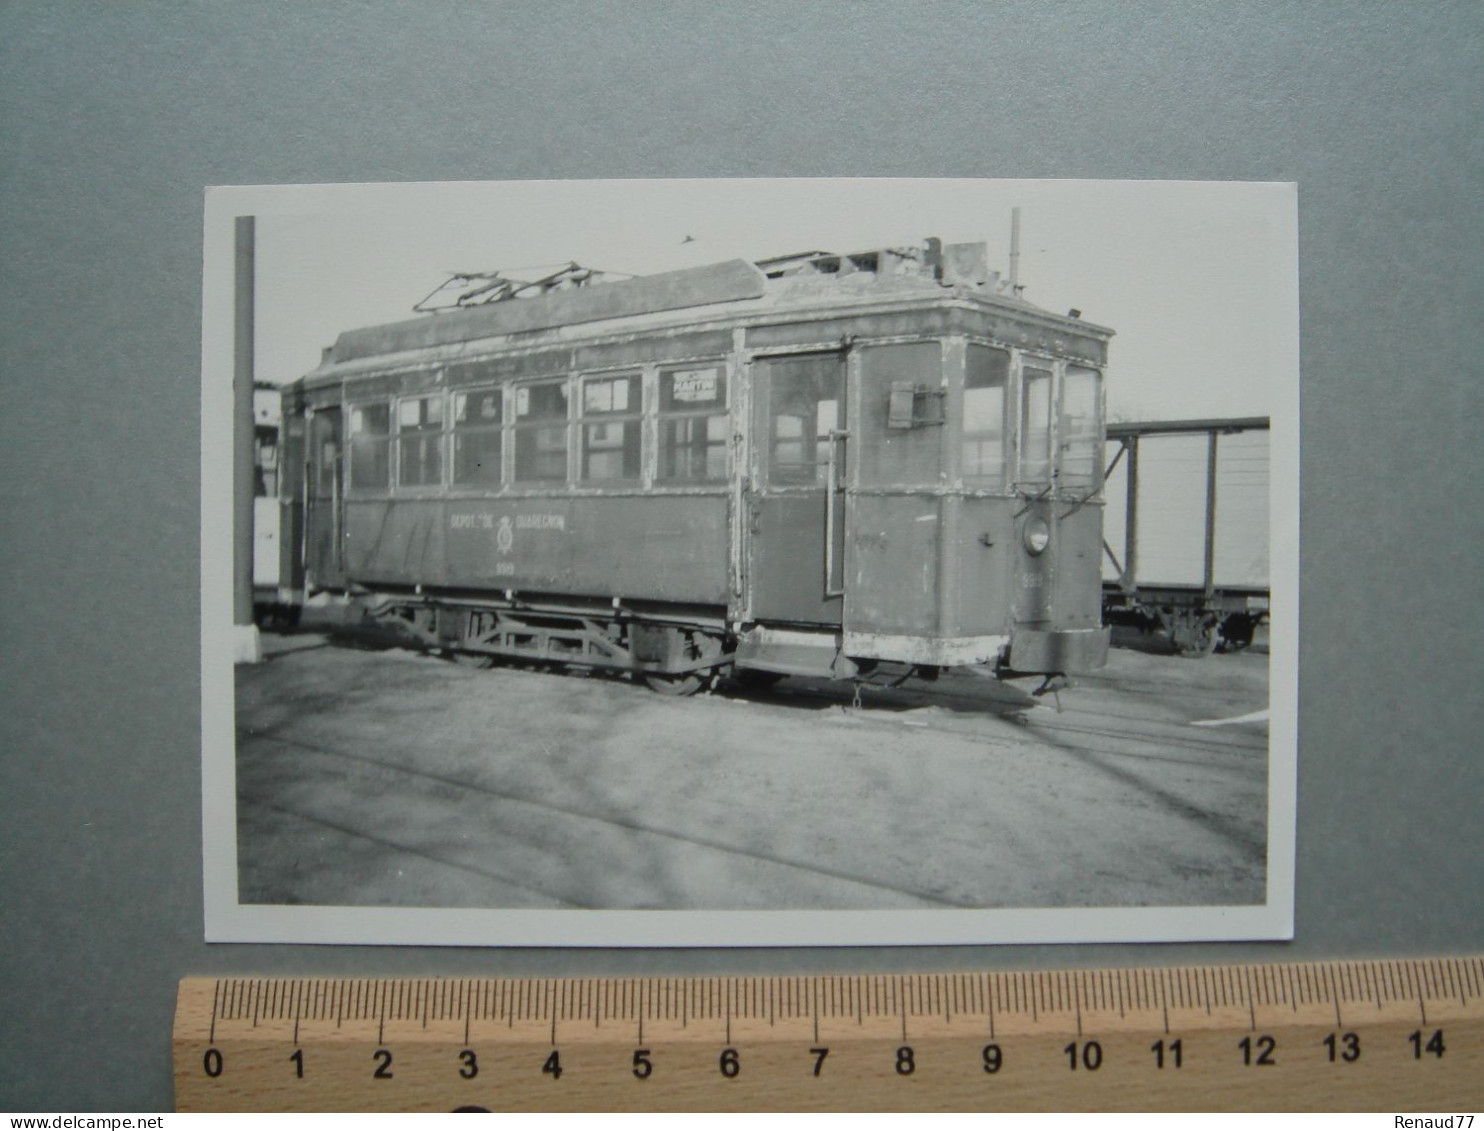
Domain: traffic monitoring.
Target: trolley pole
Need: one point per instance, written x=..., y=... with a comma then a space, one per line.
x=247, y=648
x=1015, y=287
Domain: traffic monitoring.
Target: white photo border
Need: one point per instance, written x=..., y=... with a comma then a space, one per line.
x=228, y=920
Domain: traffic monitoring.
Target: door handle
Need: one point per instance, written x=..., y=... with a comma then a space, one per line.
x=833, y=438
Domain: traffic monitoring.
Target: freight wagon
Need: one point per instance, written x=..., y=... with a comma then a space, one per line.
x=808, y=465
x=1188, y=511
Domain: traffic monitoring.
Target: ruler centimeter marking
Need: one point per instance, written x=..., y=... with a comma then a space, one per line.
x=1384, y=1035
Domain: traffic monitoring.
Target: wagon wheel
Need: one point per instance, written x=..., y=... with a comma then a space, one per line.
x=1204, y=645
x=1199, y=642
x=1194, y=635
x=1236, y=633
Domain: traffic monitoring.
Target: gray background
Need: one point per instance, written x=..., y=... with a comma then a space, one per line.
x=112, y=118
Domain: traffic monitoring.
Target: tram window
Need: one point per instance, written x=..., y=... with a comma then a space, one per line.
x=1035, y=426
x=1080, y=429
x=904, y=447
x=478, y=424
x=329, y=454
x=370, y=442
x=693, y=433
x=611, y=408
x=541, y=432
x=986, y=376
x=806, y=407
x=324, y=448
x=420, y=441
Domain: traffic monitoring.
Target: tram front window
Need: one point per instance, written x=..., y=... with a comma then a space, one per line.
x=1080, y=430
x=985, y=378
x=1035, y=426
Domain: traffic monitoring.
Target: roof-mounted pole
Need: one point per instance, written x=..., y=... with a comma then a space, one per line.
x=1015, y=287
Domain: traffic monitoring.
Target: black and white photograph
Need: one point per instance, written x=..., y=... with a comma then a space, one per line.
x=759, y=562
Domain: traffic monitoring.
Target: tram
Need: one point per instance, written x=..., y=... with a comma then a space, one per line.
x=808, y=465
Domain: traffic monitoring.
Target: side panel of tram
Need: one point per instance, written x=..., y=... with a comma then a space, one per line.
x=921, y=483
x=514, y=474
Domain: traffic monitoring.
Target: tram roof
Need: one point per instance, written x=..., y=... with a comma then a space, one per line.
x=732, y=289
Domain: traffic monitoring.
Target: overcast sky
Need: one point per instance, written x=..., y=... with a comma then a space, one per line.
x=1199, y=280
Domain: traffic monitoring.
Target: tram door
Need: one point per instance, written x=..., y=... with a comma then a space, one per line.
x=324, y=502
x=795, y=533
x=896, y=515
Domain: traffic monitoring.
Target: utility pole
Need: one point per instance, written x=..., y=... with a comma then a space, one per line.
x=247, y=647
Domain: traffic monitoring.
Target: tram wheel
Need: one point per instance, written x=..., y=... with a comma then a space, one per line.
x=686, y=684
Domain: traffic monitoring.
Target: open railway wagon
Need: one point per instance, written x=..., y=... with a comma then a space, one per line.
x=811, y=465
x=1187, y=507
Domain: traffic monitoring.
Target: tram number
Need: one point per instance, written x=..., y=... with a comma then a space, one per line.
x=1174, y=1052
x=1344, y=1047
x=1259, y=1054
x=1089, y=1054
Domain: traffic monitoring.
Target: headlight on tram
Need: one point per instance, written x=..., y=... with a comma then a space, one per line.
x=1037, y=536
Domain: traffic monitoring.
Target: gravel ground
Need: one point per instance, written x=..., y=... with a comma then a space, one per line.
x=388, y=778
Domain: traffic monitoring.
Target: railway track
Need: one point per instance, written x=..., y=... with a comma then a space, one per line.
x=1083, y=719
x=548, y=811
x=440, y=785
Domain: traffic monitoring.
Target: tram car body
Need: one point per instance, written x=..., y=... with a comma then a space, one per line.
x=808, y=465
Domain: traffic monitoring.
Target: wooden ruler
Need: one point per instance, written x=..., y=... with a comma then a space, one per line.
x=1404, y=1036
